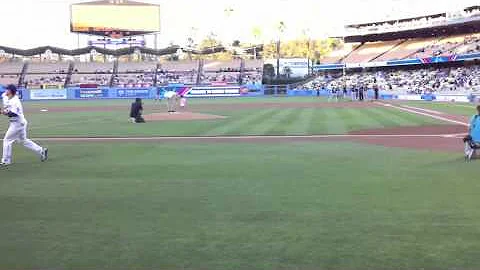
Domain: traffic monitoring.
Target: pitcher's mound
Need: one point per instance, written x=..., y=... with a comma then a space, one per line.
x=181, y=116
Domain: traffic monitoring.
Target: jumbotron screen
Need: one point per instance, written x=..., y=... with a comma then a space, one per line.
x=108, y=19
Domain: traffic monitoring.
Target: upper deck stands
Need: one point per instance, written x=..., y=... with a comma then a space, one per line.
x=370, y=51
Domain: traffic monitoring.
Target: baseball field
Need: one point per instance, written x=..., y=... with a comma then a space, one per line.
x=265, y=183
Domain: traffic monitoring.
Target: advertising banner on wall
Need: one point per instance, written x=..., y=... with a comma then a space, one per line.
x=453, y=98
x=91, y=93
x=231, y=91
x=45, y=94
x=52, y=86
x=410, y=97
x=133, y=93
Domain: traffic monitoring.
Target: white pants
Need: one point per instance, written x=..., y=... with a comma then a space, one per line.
x=469, y=149
x=17, y=132
x=171, y=104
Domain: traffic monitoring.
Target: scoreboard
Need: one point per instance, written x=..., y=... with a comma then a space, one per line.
x=114, y=18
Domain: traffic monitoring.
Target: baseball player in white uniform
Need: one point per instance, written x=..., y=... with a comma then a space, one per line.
x=17, y=130
x=172, y=99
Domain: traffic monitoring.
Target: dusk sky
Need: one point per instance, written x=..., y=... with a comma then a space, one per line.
x=30, y=23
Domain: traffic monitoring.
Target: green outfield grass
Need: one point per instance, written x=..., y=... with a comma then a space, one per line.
x=289, y=205
x=248, y=121
x=465, y=109
x=238, y=206
x=192, y=101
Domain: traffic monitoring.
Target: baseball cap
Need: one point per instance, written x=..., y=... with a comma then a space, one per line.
x=12, y=89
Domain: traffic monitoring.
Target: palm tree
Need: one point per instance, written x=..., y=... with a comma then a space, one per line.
x=281, y=29
x=306, y=33
x=256, y=32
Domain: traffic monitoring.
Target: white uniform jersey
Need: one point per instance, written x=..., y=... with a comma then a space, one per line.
x=170, y=94
x=15, y=106
x=4, y=99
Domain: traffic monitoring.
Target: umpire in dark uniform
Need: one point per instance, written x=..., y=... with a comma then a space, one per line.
x=376, y=91
x=361, y=92
x=136, y=111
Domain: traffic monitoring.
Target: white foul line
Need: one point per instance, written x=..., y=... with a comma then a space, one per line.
x=423, y=110
x=424, y=114
x=247, y=137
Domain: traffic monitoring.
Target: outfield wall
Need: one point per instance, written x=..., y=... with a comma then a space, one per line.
x=77, y=93
x=444, y=97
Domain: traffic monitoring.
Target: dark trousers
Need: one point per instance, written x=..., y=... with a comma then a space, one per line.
x=139, y=119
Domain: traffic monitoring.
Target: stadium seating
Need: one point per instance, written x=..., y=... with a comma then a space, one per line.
x=403, y=49
x=48, y=68
x=91, y=73
x=441, y=47
x=136, y=67
x=100, y=79
x=406, y=49
x=179, y=65
x=93, y=67
x=11, y=67
x=337, y=55
x=8, y=79
x=133, y=74
x=370, y=51
x=254, y=65
x=471, y=44
x=455, y=79
x=38, y=80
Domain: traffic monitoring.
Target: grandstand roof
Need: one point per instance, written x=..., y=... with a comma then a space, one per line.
x=462, y=27
x=117, y=52
x=397, y=20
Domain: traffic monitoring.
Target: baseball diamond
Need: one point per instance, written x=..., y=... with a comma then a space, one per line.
x=240, y=135
x=264, y=173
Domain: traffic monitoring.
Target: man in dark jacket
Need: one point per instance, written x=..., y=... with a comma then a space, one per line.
x=136, y=111
x=361, y=93
x=376, y=91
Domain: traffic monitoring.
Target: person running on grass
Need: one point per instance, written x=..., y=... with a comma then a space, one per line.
x=17, y=130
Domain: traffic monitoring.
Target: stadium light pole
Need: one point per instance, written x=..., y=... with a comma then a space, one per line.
x=228, y=14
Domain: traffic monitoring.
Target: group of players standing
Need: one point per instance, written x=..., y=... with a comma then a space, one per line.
x=359, y=92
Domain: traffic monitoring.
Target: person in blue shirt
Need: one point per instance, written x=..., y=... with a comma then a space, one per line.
x=472, y=141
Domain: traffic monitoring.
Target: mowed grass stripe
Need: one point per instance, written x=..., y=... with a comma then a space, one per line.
x=335, y=121
x=228, y=127
x=301, y=124
x=363, y=119
x=318, y=123
x=388, y=118
x=243, y=128
x=267, y=126
x=287, y=121
x=351, y=118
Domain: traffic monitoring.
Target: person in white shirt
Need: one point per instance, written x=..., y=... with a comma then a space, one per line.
x=172, y=100
x=17, y=130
